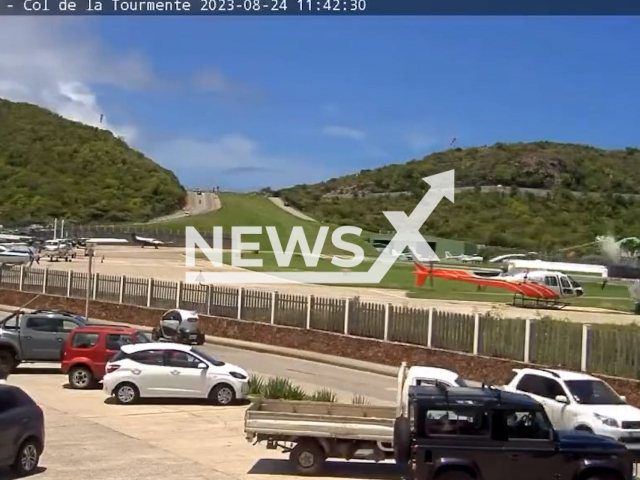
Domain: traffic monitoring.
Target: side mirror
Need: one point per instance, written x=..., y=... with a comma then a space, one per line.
x=561, y=399
x=202, y=366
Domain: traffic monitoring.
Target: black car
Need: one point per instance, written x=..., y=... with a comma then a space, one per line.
x=487, y=434
x=21, y=431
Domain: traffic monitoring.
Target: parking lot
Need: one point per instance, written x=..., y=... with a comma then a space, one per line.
x=90, y=437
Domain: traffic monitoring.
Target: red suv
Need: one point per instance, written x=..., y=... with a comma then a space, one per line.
x=89, y=348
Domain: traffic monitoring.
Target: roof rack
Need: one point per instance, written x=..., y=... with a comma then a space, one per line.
x=555, y=374
x=54, y=310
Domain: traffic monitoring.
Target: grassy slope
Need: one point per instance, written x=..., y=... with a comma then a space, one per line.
x=53, y=167
x=255, y=210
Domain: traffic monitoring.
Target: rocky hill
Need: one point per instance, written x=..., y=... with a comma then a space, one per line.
x=534, y=196
x=52, y=167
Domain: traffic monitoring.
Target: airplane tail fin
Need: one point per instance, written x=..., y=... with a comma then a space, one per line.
x=421, y=274
x=447, y=255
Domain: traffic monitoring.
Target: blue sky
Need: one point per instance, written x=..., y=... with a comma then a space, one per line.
x=249, y=102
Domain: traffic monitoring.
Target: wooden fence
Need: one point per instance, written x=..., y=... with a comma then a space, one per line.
x=605, y=349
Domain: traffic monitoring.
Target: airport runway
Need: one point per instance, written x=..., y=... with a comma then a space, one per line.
x=169, y=264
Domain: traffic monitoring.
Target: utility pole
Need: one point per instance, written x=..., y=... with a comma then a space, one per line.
x=55, y=228
x=62, y=228
x=90, y=253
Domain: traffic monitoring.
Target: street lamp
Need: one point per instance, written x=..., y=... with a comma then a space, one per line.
x=89, y=251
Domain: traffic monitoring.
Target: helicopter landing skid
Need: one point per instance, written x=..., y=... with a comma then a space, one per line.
x=527, y=302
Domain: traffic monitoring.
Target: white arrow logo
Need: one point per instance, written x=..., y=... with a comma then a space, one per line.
x=407, y=235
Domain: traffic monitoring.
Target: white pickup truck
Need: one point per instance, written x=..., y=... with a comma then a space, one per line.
x=315, y=431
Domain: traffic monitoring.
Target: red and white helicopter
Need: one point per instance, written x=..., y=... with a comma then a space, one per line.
x=539, y=288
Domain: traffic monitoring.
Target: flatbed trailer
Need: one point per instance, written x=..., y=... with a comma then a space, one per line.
x=311, y=432
x=314, y=431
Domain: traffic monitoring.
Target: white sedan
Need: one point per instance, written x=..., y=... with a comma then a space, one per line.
x=171, y=370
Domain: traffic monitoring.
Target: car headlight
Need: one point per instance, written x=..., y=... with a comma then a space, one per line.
x=608, y=421
x=237, y=375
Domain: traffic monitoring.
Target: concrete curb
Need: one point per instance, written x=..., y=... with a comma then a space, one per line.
x=335, y=361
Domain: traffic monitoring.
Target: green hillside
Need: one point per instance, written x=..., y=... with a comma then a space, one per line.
x=582, y=199
x=256, y=210
x=52, y=167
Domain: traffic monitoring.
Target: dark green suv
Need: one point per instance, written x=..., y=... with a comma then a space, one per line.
x=489, y=434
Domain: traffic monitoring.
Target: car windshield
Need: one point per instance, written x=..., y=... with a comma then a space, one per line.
x=208, y=358
x=140, y=337
x=593, y=392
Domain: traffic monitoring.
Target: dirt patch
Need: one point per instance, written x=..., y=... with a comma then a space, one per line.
x=473, y=367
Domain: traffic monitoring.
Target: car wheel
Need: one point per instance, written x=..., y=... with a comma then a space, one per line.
x=402, y=440
x=27, y=459
x=307, y=457
x=8, y=363
x=584, y=429
x=222, y=394
x=81, y=378
x=126, y=393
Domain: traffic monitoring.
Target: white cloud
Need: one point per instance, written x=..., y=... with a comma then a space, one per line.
x=232, y=161
x=345, y=132
x=56, y=63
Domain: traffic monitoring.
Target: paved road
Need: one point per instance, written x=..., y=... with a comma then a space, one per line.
x=195, y=205
x=88, y=436
x=380, y=389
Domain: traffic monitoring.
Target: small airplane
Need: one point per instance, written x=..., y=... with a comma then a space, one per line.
x=18, y=256
x=82, y=242
x=464, y=258
x=543, y=288
x=149, y=242
x=15, y=238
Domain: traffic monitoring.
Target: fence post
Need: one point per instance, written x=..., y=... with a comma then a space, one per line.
x=528, y=331
x=476, y=333
x=44, y=280
x=121, y=292
x=178, y=294
x=308, y=323
x=149, y=291
x=430, y=328
x=584, y=357
x=95, y=285
x=274, y=298
x=208, y=299
x=69, y=282
x=240, y=290
x=387, y=309
x=346, y=317
x=21, y=285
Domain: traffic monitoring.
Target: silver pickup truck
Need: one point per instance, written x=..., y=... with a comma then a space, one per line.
x=37, y=336
x=314, y=431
